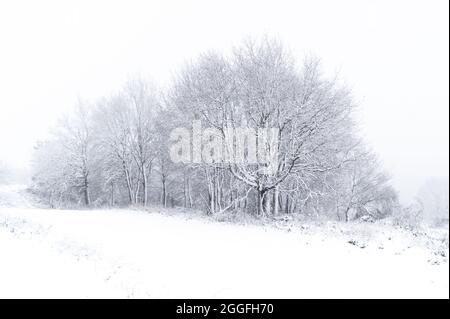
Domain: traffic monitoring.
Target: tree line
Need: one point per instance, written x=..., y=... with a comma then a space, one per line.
x=116, y=151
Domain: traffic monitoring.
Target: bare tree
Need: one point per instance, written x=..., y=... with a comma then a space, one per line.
x=75, y=136
x=261, y=88
x=288, y=143
x=113, y=118
x=144, y=106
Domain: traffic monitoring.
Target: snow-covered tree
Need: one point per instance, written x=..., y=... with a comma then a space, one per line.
x=288, y=143
x=433, y=197
x=260, y=87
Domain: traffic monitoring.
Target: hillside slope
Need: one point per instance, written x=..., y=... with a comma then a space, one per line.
x=128, y=253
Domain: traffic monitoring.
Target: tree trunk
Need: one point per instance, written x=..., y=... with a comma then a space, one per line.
x=261, y=202
x=144, y=185
x=112, y=195
x=275, y=201
x=136, y=192
x=347, y=218
x=185, y=197
x=163, y=194
x=87, y=199
x=286, y=207
x=267, y=204
x=128, y=182
x=189, y=192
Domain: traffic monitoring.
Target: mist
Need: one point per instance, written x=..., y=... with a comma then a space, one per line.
x=215, y=150
x=394, y=57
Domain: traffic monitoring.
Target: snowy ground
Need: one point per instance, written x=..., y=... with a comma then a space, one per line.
x=125, y=253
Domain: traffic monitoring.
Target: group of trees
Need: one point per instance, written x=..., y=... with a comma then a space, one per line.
x=117, y=151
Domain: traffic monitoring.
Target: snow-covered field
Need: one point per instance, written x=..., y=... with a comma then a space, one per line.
x=128, y=253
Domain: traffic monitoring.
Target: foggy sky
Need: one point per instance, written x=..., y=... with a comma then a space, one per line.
x=393, y=54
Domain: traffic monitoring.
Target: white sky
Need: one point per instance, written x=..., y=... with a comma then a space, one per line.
x=394, y=54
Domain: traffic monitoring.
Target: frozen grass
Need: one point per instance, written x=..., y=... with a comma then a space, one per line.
x=130, y=253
